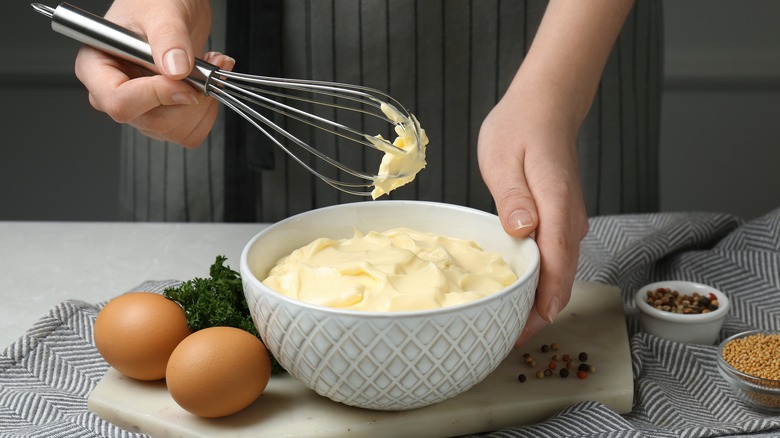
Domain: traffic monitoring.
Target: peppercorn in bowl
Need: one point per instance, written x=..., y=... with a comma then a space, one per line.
x=389, y=360
x=750, y=363
x=682, y=311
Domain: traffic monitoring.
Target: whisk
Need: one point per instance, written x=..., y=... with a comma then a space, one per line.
x=247, y=94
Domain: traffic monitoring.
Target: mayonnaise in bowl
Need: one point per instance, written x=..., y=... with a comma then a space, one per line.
x=397, y=270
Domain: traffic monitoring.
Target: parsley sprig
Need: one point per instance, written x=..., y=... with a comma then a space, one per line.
x=217, y=301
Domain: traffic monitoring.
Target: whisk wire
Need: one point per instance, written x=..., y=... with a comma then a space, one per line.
x=255, y=118
x=258, y=96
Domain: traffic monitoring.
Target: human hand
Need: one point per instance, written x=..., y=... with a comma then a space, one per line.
x=527, y=144
x=160, y=106
x=527, y=157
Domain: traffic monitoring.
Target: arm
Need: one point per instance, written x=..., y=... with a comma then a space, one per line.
x=527, y=144
x=160, y=106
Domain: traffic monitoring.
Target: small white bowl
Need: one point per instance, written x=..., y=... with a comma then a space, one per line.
x=389, y=360
x=702, y=328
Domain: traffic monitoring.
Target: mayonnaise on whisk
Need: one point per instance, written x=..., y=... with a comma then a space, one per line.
x=397, y=270
x=401, y=164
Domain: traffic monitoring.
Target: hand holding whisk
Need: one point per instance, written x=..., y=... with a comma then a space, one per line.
x=253, y=96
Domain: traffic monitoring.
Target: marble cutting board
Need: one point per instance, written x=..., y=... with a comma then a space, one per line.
x=594, y=321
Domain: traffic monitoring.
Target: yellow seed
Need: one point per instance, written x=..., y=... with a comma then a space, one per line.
x=756, y=355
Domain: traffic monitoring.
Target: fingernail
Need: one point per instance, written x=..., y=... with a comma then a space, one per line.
x=227, y=61
x=176, y=62
x=184, y=98
x=533, y=325
x=552, y=309
x=519, y=219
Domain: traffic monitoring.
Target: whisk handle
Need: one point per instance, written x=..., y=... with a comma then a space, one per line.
x=115, y=40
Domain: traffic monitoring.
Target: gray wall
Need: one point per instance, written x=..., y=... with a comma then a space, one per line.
x=720, y=139
x=720, y=132
x=59, y=157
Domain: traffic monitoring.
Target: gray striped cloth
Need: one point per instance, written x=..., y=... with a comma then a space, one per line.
x=47, y=375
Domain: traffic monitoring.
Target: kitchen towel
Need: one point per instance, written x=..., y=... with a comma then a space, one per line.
x=46, y=376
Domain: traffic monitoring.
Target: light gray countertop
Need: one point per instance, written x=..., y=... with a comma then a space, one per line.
x=45, y=263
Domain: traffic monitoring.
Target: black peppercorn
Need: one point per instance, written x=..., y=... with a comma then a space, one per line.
x=583, y=357
x=521, y=378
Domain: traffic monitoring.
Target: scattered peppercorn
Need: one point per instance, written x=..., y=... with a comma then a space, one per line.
x=561, y=362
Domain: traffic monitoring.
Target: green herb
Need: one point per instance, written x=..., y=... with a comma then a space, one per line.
x=217, y=301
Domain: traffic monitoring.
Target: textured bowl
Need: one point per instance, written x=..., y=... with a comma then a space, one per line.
x=701, y=328
x=384, y=360
x=761, y=394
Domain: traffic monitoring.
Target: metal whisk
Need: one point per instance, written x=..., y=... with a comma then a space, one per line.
x=248, y=94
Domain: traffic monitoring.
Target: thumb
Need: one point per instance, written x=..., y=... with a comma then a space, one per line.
x=172, y=47
x=502, y=165
x=514, y=202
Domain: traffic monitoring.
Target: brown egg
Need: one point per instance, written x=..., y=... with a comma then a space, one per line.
x=137, y=332
x=218, y=371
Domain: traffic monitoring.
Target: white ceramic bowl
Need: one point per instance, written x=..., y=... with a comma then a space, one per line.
x=383, y=360
x=702, y=328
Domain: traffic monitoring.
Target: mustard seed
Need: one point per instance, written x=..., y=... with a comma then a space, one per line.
x=757, y=355
x=554, y=346
x=540, y=374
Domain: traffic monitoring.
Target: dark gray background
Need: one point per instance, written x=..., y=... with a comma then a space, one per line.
x=720, y=139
